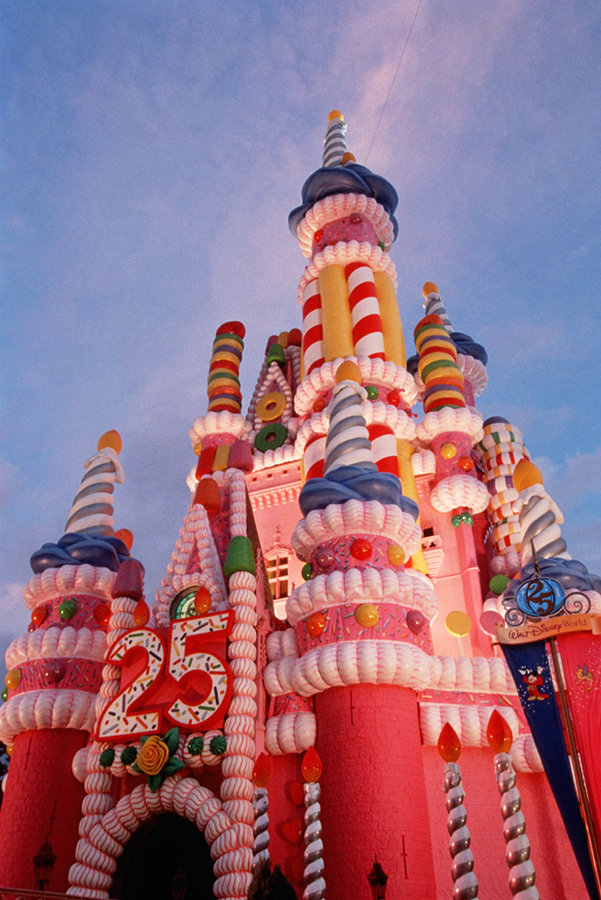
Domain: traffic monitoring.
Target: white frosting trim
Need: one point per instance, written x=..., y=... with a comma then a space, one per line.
x=55, y=642
x=423, y=462
x=365, y=516
x=343, y=254
x=465, y=419
x=222, y=422
x=290, y=733
x=85, y=579
x=373, y=371
x=336, y=206
x=460, y=490
x=407, y=587
x=51, y=708
x=377, y=412
x=473, y=371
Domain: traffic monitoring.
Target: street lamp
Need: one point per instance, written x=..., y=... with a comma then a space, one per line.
x=377, y=880
x=43, y=862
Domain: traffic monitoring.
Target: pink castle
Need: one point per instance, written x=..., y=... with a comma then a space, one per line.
x=166, y=748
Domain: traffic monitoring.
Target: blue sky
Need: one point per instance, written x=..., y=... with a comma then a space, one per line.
x=151, y=152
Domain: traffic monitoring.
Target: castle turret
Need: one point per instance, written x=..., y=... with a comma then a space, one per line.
x=55, y=675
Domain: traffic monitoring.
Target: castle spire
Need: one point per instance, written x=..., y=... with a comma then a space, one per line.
x=334, y=141
x=92, y=509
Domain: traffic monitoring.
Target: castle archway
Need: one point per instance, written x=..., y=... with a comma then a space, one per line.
x=167, y=851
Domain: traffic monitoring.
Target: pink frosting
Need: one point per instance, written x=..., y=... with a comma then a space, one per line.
x=353, y=227
x=341, y=625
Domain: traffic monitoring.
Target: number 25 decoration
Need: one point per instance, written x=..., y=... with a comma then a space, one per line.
x=187, y=683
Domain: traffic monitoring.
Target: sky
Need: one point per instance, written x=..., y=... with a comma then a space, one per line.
x=150, y=153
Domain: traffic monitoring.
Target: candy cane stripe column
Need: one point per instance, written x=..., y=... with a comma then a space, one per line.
x=313, y=352
x=365, y=312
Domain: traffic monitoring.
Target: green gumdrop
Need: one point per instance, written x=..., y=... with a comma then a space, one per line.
x=307, y=571
x=239, y=556
x=68, y=609
x=128, y=756
x=372, y=392
x=498, y=583
x=195, y=746
x=381, y=245
x=4, y=693
x=276, y=354
x=217, y=745
x=107, y=758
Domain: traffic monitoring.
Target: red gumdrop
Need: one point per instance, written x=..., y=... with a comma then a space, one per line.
x=39, y=614
x=141, y=614
x=318, y=236
x=466, y=463
x=319, y=405
x=361, y=548
x=295, y=337
x=102, y=614
x=394, y=398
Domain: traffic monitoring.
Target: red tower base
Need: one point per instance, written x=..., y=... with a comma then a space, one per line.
x=374, y=792
x=42, y=802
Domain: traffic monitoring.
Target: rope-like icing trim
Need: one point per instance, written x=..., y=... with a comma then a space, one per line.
x=377, y=413
x=49, y=708
x=407, y=587
x=343, y=254
x=282, y=643
x=285, y=453
x=56, y=642
x=366, y=516
x=465, y=419
x=460, y=490
x=336, y=206
x=230, y=842
x=195, y=531
x=84, y=579
x=237, y=486
x=373, y=371
x=222, y=422
x=237, y=788
x=290, y=733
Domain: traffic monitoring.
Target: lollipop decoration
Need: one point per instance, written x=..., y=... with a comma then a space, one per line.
x=464, y=879
x=521, y=869
x=315, y=885
x=261, y=778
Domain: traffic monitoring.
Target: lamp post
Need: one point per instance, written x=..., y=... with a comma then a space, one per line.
x=43, y=862
x=377, y=880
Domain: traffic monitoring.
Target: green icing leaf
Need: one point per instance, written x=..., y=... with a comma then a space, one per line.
x=154, y=782
x=173, y=766
x=172, y=740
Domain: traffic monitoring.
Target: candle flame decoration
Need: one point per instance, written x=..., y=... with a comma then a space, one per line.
x=311, y=766
x=517, y=846
x=464, y=878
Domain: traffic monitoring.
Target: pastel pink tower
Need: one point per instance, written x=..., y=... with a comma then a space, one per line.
x=54, y=677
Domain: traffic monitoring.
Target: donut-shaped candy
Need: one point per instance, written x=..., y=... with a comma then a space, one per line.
x=271, y=406
x=271, y=437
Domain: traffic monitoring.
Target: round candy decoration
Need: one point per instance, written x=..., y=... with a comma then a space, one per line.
x=394, y=398
x=141, y=614
x=498, y=583
x=465, y=463
x=489, y=620
x=315, y=624
x=38, y=615
x=325, y=557
x=271, y=406
x=361, y=548
x=448, y=451
x=307, y=571
x=416, y=621
x=270, y=437
x=372, y=392
x=348, y=371
x=13, y=679
x=458, y=623
x=367, y=615
x=4, y=694
x=102, y=614
x=319, y=405
x=68, y=609
x=54, y=671
x=396, y=555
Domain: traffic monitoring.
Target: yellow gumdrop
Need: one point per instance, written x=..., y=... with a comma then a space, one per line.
x=198, y=448
x=13, y=679
x=396, y=555
x=367, y=615
x=429, y=288
x=525, y=475
x=335, y=114
x=125, y=535
x=283, y=339
x=348, y=157
x=348, y=371
x=458, y=623
x=448, y=451
x=111, y=439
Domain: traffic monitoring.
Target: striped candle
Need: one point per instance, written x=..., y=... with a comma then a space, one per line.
x=223, y=386
x=334, y=141
x=368, y=339
x=347, y=443
x=92, y=509
x=313, y=350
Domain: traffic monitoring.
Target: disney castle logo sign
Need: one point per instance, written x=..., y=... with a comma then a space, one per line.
x=541, y=609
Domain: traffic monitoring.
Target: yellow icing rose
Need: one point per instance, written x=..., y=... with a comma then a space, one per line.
x=152, y=756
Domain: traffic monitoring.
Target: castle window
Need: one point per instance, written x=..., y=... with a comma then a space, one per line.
x=428, y=532
x=277, y=573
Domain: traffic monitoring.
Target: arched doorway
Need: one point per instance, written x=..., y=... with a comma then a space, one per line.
x=156, y=855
